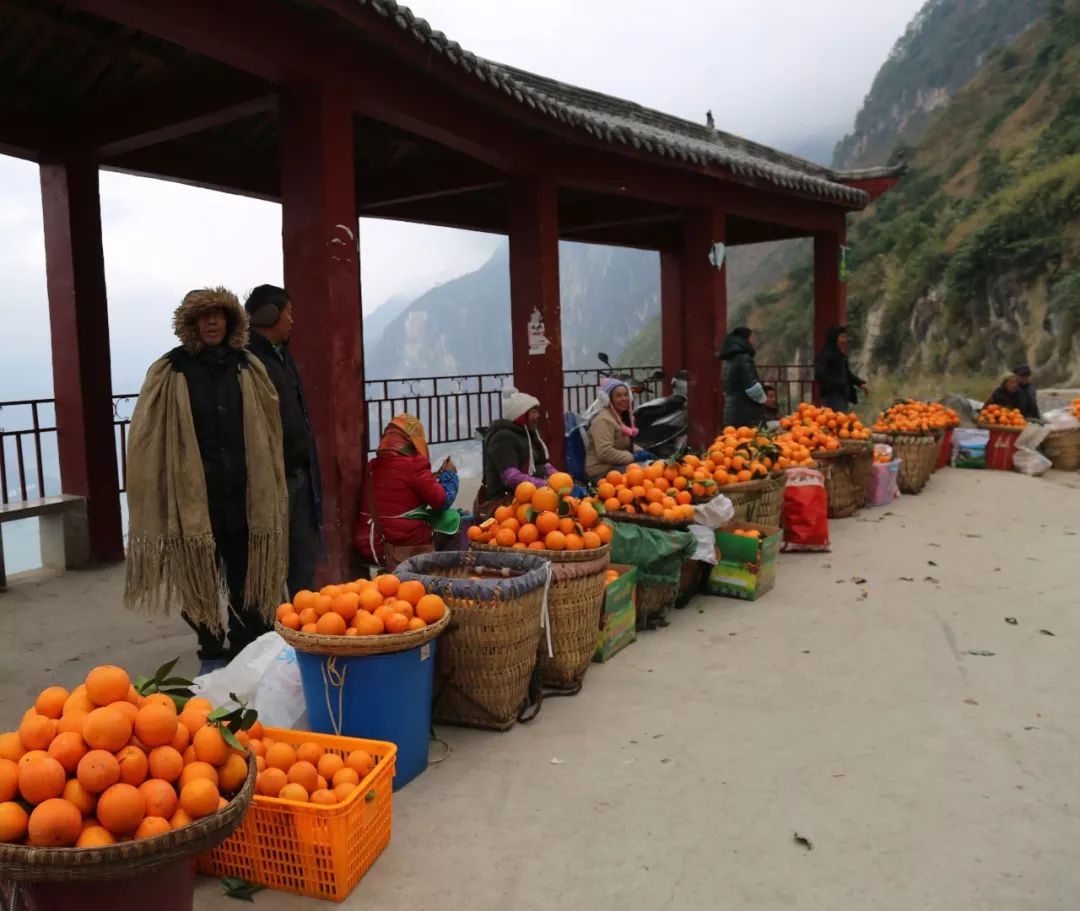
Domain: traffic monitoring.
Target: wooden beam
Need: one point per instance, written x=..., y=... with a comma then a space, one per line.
x=830, y=291
x=192, y=164
x=408, y=186
x=672, y=339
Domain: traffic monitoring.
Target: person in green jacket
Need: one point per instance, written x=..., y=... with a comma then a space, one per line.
x=744, y=396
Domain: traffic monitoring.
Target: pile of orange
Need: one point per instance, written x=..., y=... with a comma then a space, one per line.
x=741, y=454
x=916, y=417
x=1075, y=406
x=998, y=416
x=366, y=607
x=307, y=772
x=823, y=424
x=747, y=533
x=661, y=490
x=545, y=518
x=610, y=576
x=103, y=764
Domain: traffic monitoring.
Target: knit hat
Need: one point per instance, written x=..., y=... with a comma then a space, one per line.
x=515, y=404
x=264, y=305
x=1022, y=370
x=609, y=384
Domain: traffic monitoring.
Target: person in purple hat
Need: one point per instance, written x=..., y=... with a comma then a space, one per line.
x=610, y=445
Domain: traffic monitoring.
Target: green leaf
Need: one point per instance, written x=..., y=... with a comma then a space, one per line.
x=370, y=796
x=240, y=889
x=531, y=514
x=236, y=699
x=162, y=672
x=230, y=738
x=179, y=700
x=176, y=681
x=220, y=713
x=600, y=508
x=142, y=685
x=564, y=509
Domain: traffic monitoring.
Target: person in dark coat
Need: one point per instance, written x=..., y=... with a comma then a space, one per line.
x=771, y=408
x=401, y=481
x=744, y=396
x=513, y=452
x=1008, y=394
x=837, y=385
x=1029, y=404
x=270, y=312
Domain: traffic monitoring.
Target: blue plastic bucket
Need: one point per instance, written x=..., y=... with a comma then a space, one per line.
x=378, y=697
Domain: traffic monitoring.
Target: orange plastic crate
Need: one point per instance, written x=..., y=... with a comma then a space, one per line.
x=312, y=850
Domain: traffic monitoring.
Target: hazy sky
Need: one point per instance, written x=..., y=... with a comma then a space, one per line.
x=784, y=72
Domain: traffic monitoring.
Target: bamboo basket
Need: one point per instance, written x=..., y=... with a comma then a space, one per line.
x=653, y=601
x=486, y=656
x=128, y=859
x=757, y=501
x=575, y=602
x=918, y=454
x=353, y=646
x=1062, y=448
x=839, y=470
x=649, y=521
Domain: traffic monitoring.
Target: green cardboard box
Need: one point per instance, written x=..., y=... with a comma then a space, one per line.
x=618, y=626
x=745, y=567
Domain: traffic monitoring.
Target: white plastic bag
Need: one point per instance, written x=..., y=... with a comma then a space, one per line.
x=1029, y=462
x=266, y=676
x=717, y=513
x=705, y=538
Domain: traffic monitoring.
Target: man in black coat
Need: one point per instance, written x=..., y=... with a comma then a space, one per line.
x=744, y=396
x=270, y=312
x=837, y=385
x=1029, y=405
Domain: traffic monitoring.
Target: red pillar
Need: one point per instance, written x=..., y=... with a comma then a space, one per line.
x=704, y=290
x=672, y=341
x=534, y=293
x=830, y=293
x=322, y=274
x=79, y=321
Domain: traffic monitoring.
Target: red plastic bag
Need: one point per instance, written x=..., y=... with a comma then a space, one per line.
x=806, y=511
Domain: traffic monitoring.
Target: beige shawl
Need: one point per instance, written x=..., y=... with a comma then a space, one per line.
x=170, y=561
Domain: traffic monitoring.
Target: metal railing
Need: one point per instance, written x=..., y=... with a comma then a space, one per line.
x=451, y=408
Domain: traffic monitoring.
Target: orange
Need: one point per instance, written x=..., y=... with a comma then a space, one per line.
x=294, y=791
x=346, y=605
x=50, y=702
x=324, y=797
x=411, y=591
x=360, y=761
x=54, y=824
x=370, y=599
x=283, y=609
x=346, y=774
x=256, y=732
x=505, y=537
x=98, y=771
x=528, y=533
x=78, y=701
x=547, y=522
x=13, y=822
x=133, y=765
x=603, y=532
x=555, y=540
x=270, y=782
x=166, y=763
x=233, y=774
x=574, y=542
x=151, y=826
x=523, y=493
x=368, y=625
x=121, y=808
x=95, y=837
x=381, y=613
x=307, y=616
x=416, y=623
x=160, y=797
x=106, y=729
x=107, y=684
x=430, y=608
x=194, y=770
x=307, y=628
x=591, y=540
x=545, y=500
x=323, y=784
x=76, y=794
x=9, y=780
x=127, y=709
x=290, y=621
x=567, y=526
x=156, y=724
x=40, y=779
x=329, y=764
x=404, y=608
x=387, y=584
x=587, y=516
x=396, y=623
x=31, y=756
x=199, y=798
x=36, y=731
x=330, y=591
x=331, y=624
x=68, y=749
x=194, y=717
x=561, y=482
x=280, y=756
x=305, y=774
x=11, y=746
x=475, y=533
x=343, y=790
x=180, y=818
x=503, y=513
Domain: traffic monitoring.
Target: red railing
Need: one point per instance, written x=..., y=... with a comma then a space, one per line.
x=452, y=409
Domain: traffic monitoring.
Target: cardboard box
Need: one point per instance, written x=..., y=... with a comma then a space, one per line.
x=618, y=627
x=745, y=567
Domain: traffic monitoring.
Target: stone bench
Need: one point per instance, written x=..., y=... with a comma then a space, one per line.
x=65, y=542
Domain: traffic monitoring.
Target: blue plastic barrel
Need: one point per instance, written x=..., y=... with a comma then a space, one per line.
x=378, y=697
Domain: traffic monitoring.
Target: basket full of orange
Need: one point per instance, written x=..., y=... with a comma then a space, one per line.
x=841, y=448
x=998, y=417
x=914, y=430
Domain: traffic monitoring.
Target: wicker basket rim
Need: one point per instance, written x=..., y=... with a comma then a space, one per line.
x=33, y=864
x=555, y=556
x=999, y=428
x=354, y=646
x=777, y=479
x=650, y=521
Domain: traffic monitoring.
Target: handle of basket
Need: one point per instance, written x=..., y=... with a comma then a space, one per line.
x=545, y=616
x=332, y=677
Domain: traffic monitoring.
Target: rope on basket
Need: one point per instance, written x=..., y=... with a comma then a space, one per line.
x=545, y=617
x=332, y=677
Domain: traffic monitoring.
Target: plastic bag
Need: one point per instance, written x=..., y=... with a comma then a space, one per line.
x=716, y=513
x=705, y=551
x=806, y=511
x=884, y=483
x=969, y=448
x=266, y=676
x=1060, y=419
x=1029, y=462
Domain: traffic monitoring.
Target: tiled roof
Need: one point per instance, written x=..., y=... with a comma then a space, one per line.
x=622, y=122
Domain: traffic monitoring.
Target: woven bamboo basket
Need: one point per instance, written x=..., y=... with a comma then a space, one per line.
x=649, y=521
x=838, y=467
x=863, y=470
x=353, y=646
x=575, y=602
x=757, y=501
x=128, y=859
x=1062, y=448
x=918, y=454
x=653, y=601
x=486, y=656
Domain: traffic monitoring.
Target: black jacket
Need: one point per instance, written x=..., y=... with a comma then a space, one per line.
x=1029, y=405
x=296, y=439
x=506, y=445
x=1001, y=396
x=217, y=409
x=739, y=373
x=832, y=371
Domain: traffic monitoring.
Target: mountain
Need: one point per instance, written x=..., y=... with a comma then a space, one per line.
x=940, y=51
x=971, y=264
x=375, y=323
x=607, y=295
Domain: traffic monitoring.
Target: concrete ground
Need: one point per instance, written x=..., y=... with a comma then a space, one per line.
x=847, y=706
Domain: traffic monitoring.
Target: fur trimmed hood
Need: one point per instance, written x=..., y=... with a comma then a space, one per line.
x=198, y=302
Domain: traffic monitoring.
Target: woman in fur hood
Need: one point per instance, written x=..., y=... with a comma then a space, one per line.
x=207, y=500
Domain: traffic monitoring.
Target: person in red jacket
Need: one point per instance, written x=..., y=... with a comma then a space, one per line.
x=402, y=480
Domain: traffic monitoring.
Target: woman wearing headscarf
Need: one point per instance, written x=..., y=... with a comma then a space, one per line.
x=610, y=444
x=400, y=480
x=744, y=397
x=207, y=501
x=1008, y=394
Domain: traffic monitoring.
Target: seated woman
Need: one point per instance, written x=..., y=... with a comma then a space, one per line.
x=1008, y=394
x=400, y=480
x=513, y=452
x=610, y=445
